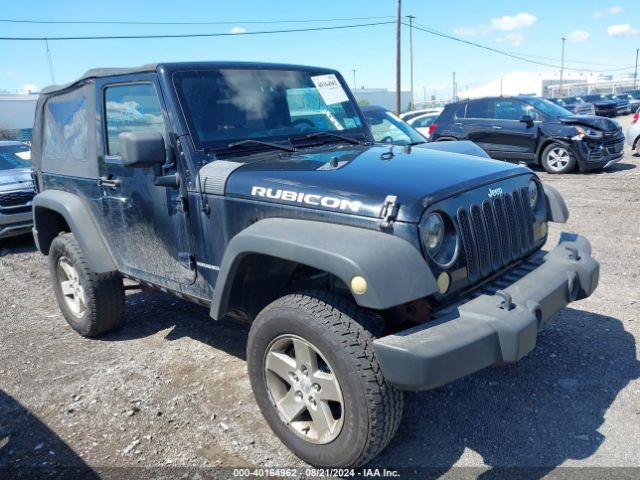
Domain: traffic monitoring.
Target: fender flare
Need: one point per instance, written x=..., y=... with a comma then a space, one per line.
x=80, y=222
x=557, y=208
x=395, y=271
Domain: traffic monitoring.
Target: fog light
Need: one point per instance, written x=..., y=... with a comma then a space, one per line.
x=443, y=282
x=358, y=285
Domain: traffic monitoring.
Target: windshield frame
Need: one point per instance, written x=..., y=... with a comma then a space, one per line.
x=360, y=133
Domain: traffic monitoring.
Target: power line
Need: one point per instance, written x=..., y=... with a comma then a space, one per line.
x=194, y=35
x=226, y=22
x=522, y=58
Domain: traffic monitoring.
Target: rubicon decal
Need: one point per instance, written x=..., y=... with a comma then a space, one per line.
x=307, y=198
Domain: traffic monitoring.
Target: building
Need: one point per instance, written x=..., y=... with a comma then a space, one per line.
x=382, y=96
x=17, y=114
x=542, y=84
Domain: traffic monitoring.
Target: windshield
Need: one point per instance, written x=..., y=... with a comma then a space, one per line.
x=594, y=97
x=548, y=108
x=388, y=128
x=227, y=106
x=570, y=100
x=14, y=156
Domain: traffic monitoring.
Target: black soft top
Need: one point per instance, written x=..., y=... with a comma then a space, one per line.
x=171, y=66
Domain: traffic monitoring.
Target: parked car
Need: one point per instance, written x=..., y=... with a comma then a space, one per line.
x=424, y=123
x=406, y=116
x=387, y=127
x=533, y=130
x=257, y=190
x=622, y=103
x=16, y=189
x=604, y=107
x=633, y=132
x=633, y=101
x=575, y=105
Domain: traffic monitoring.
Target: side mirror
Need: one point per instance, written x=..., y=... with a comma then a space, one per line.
x=528, y=119
x=142, y=149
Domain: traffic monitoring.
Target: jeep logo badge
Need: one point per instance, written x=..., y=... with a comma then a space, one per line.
x=494, y=192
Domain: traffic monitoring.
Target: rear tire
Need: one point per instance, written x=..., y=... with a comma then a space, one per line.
x=557, y=159
x=91, y=303
x=360, y=412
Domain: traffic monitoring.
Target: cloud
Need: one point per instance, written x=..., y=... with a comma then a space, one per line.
x=609, y=11
x=238, y=29
x=28, y=88
x=515, y=22
x=513, y=39
x=577, y=36
x=622, y=29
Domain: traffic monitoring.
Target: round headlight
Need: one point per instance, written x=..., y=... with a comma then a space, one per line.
x=533, y=193
x=433, y=233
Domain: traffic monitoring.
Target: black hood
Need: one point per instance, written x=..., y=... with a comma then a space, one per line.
x=367, y=175
x=591, y=121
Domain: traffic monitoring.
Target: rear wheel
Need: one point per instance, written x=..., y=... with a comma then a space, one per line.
x=91, y=303
x=317, y=381
x=557, y=159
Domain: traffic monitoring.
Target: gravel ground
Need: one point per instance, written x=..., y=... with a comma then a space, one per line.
x=170, y=387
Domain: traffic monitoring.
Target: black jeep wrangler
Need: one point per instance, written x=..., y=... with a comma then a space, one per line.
x=256, y=190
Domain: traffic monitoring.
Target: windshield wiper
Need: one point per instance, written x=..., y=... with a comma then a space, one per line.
x=331, y=134
x=277, y=146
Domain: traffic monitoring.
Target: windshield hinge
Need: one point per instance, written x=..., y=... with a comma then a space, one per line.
x=389, y=211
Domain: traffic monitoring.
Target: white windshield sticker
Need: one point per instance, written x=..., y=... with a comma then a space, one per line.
x=330, y=89
x=24, y=155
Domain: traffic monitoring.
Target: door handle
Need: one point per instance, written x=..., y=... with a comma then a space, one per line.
x=496, y=127
x=458, y=123
x=109, y=181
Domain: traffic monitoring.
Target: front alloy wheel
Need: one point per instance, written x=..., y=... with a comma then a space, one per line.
x=557, y=159
x=304, y=390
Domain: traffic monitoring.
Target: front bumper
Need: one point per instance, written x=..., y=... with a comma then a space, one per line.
x=499, y=325
x=596, y=155
x=15, y=224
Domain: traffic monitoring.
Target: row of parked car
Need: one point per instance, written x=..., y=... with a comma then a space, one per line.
x=604, y=105
x=520, y=128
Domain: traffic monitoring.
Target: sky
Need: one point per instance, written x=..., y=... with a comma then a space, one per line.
x=603, y=32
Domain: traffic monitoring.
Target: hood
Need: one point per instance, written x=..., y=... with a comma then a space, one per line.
x=592, y=121
x=357, y=180
x=15, y=179
x=603, y=103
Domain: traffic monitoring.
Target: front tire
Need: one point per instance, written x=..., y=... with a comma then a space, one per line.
x=317, y=382
x=91, y=303
x=557, y=158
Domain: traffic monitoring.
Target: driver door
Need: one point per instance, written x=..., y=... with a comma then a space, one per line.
x=145, y=224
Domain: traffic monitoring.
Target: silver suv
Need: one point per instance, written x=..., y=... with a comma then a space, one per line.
x=16, y=189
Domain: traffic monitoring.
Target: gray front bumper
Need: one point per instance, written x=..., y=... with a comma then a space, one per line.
x=15, y=224
x=499, y=325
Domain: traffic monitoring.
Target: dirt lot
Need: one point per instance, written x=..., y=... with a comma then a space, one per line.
x=170, y=387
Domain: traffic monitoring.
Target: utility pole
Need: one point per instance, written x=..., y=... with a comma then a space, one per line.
x=455, y=93
x=424, y=96
x=501, y=78
x=50, y=60
x=562, y=68
x=398, y=58
x=635, y=74
x=411, y=17
x=355, y=85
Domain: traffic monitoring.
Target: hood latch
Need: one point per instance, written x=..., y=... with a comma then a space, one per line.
x=389, y=211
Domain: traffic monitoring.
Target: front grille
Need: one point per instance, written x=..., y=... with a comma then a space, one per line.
x=14, y=199
x=496, y=233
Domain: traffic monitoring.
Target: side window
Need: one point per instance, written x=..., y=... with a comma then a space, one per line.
x=129, y=108
x=509, y=110
x=66, y=128
x=424, y=121
x=480, y=109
